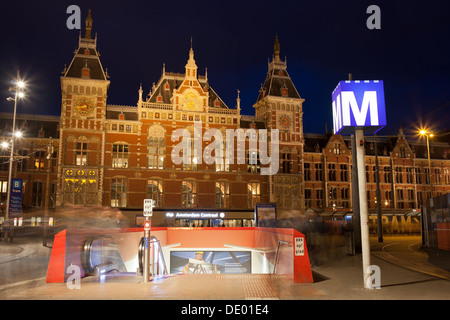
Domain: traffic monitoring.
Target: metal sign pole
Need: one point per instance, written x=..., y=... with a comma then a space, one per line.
x=148, y=212
x=147, y=251
x=364, y=214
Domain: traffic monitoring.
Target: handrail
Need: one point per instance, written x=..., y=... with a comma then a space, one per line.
x=156, y=252
x=277, y=255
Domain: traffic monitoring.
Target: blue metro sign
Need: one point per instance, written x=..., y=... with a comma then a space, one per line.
x=358, y=105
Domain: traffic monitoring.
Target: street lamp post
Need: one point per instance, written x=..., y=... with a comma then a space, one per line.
x=428, y=135
x=18, y=94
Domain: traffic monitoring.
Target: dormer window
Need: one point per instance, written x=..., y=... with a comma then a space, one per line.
x=166, y=86
x=216, y=103
x=121, y=116
x=284, y=91
x=86, y=52
x=85, y=72
x=159, y=98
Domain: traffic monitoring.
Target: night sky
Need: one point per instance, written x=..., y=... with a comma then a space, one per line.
x=323, y=41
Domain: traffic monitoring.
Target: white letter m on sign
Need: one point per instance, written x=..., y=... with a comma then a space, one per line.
x=369, y=104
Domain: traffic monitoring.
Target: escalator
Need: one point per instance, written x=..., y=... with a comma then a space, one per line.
x=157, y=262
x=100, y=255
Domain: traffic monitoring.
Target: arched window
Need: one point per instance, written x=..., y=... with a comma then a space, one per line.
x=189, y=194
x=253, y=193
x=222, y=194
x=155, y=191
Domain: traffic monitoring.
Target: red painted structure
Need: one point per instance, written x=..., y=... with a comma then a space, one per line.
x=67, y=246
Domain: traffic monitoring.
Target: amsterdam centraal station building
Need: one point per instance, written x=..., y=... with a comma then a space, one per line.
x=100, y=154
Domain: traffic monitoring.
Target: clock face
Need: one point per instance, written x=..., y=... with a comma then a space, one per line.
x=84, y=106
x=190, y=102
x=285, y=121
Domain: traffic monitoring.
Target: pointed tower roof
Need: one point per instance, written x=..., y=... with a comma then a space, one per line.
x=278, y=82
x=191, y=66
x=86, y=57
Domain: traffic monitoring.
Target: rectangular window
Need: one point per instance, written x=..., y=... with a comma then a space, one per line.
x=387, y=174
x=37, y=194
x=409, y=175
x=254, y=194
x=344, y=172
x=307, y=171
x=81, y=154
x=253, y=164
x=286, y=162
x=319, y=171
x=319, y=198
x=156, y=152
x=3, y=191
x=120, y=156
x=190, y=157
x=308, y=198
x=331, y=172
x=399, y=175
x=221, y=161
x=39, y=160
x=22, y=160
x=119, y=192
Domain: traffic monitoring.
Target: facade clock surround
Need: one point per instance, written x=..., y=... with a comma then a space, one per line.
x=84, y=106
x=285, y=121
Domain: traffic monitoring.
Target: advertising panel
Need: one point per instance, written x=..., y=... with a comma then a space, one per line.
x=266, y=215
x=210, y=262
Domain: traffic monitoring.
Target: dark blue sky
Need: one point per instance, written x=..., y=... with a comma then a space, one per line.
x=322, y=40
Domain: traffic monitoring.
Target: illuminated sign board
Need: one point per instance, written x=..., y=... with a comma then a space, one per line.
x=196, y=215
x=15, y=205
x=358, y=104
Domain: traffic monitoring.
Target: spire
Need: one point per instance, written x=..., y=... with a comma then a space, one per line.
x=276, y=49
x=191, y=67
x=88, y=26
x=238, y=101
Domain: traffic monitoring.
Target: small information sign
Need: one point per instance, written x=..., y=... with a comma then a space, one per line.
x=299, y=246
x=148, y=207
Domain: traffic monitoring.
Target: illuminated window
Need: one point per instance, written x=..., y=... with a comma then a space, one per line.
x=155, y=191
x=120, y=156
x=337, y=148
x=190, y=153
x=81, y=154
x=222, y=194
x=39, y=160
x=221, y=161
x=189, y=194
x=119, y=192
x=156, y=147
x=253, y=194
x=3, y=191
x=253, y=164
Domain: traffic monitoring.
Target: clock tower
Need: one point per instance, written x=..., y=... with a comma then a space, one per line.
x=280, y=105
x=84, y=88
